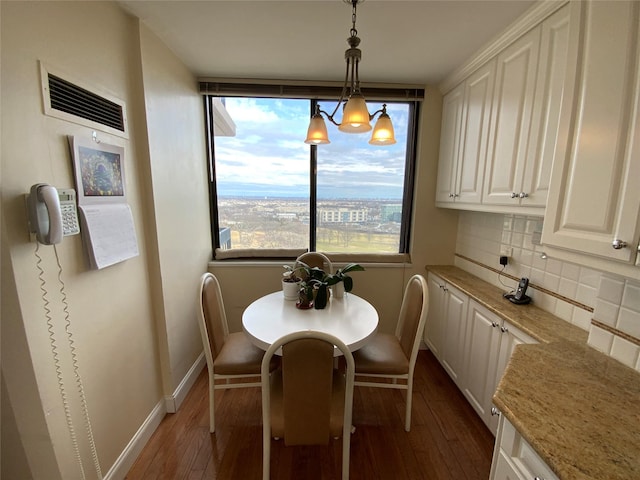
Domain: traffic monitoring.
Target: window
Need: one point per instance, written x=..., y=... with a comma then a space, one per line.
x=272, y=191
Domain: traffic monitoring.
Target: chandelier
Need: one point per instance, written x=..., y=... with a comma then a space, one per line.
x=355, y=115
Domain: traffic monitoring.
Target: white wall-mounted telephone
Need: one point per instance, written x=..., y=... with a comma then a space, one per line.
x=52, y=213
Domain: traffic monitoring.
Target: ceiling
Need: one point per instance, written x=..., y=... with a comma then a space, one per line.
x=412, y=42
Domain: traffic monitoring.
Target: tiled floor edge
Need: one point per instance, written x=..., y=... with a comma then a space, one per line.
x=531, y=285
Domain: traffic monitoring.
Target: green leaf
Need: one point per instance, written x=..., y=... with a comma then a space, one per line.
x=348, y=283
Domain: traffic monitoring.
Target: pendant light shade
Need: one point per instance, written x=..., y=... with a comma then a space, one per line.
x=317, y=132
x=355, y=115
x=383, y=133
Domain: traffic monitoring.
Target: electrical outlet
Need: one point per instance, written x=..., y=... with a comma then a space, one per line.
x=506, y=250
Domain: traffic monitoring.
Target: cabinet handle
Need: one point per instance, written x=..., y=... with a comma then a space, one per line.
x=523, y=195
x=495, y=413
x=504, y=329
x=514, y=195
x=618, y=244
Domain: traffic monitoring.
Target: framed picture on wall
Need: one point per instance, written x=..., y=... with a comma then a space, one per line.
x=99, y=171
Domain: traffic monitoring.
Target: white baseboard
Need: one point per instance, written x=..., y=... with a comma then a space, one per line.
x=130, y=453
x=173, y=401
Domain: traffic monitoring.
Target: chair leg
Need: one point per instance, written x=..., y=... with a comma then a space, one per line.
x=212, y=423
x=407, y=419
x=346, y=442
x=266, y=454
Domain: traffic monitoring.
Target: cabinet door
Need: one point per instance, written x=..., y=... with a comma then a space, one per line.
x=554, y=44
x=593, y=200
x=511, y=119
x=434, y=328
x=483, y=337
x=454, y=332
x=449, y=144
x=476, y=115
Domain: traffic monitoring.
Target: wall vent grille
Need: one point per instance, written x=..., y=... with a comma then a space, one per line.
x=74, y=100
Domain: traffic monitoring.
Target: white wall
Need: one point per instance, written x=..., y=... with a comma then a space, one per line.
x=133, y=323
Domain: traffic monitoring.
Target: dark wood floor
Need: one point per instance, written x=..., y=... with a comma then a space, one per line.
x=447, y=439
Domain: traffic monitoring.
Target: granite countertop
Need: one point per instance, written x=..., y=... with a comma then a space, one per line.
x=578, y=408
x=532, y=320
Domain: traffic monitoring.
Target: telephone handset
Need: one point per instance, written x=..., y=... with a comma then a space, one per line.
x=52, y=214
x=520, y=297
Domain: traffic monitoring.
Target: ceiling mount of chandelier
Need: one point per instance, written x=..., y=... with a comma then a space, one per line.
x=355, y=115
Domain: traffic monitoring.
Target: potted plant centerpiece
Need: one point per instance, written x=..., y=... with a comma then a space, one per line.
x=321, y=281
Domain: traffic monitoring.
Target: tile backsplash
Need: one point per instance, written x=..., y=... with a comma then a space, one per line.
x=605, y=305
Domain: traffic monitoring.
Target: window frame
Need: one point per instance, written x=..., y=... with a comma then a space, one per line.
x=408, y=186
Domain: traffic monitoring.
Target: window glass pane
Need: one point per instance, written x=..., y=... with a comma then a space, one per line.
x=360, y=187
x=262, y=175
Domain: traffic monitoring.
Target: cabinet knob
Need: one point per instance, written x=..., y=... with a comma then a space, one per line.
x=523, y=195
x=618, y=244
x=495, y=412
x=504, y=329
x=514, y=195
x=451, y=195
x=494, y=324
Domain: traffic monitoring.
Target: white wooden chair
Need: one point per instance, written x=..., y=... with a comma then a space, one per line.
x=307, y=401
x=316, y=259
x=393, y=357
x=230, y=356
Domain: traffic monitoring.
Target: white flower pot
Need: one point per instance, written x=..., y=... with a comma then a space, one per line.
x=290, y=290
x=338, y=290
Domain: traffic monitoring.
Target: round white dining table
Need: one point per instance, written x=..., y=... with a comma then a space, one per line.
x=352, y=319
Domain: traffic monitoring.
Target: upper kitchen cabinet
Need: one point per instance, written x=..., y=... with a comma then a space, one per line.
x=592, y=215
x=526, y=110
x=463, y=143
x=498, y=155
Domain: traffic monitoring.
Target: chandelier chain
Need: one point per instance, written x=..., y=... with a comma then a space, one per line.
x=353, y=32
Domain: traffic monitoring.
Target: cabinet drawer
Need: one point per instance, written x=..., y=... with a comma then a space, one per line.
x=522, y=455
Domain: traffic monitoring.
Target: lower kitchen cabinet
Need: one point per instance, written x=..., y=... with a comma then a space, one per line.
x=446, y=325
x=472, y=344
x=490, y=343
x=515, y=459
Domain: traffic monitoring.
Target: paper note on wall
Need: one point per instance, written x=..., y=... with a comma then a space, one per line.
x=109, y=233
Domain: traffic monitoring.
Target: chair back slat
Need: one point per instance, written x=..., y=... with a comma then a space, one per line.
x=215, y=318
x=410, y=313
x=307, y=368
x=316, y=259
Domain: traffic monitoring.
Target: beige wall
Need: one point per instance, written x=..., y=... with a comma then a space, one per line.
x=433, y=240
x=179, y=215
x=133, y=323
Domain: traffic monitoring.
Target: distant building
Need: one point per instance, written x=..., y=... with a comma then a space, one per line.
x=391, y=213
x=343, y=215
x=225, y=238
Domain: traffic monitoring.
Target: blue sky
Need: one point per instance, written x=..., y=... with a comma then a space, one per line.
x=268, y=156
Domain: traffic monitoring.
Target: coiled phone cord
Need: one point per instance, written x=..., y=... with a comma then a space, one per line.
x=74, y=359
x=56, y=360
